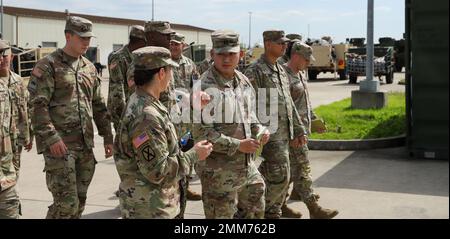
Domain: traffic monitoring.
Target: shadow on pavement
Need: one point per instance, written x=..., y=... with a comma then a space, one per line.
x=389, y=170
x=106, y=214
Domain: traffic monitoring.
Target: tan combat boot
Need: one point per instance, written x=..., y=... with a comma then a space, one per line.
x=289, y=212
x=193, y=196
x=317, y=212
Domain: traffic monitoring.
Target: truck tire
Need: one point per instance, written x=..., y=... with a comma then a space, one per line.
x=342, y=75
x=398, y=67
x=390, y=77
x=312, y=75
x=353, y=79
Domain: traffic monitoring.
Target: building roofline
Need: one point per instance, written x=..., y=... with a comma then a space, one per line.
x=36, y=13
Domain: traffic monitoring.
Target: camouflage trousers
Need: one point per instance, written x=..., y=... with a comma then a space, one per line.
x=184, y=184
x=16, y=160
x=68, y=179
x=226, y=192
x=276, y=171
x=9, y=204
x=301, y=175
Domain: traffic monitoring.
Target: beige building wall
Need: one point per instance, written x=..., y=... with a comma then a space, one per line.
x=31, y=32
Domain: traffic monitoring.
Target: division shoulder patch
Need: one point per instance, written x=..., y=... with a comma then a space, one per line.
x=147, y=153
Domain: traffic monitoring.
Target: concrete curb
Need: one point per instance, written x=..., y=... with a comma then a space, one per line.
x=363, y=144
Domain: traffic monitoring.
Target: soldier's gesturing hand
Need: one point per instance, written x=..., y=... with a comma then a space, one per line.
x=249, y=146
x=200, y=97
x=58, y=149
x=203, y=149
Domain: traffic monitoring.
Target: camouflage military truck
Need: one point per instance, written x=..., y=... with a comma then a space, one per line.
x=399, y=51
x=384, y=60
x=329, y=58
x=195, y=52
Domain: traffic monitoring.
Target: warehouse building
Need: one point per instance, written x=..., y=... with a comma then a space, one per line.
x=31, y=28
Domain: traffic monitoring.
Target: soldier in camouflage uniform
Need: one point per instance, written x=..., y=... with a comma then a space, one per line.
x=147, y=156
x=184, y=75
x=268, y=74
x=230, y=180
x=301, y=56
x=292, y=38
x=159, y=33
x=65, y=96
x=118, y=63
x=13, y=132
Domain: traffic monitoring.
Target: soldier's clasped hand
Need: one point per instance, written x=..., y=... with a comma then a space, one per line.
x=203, y=149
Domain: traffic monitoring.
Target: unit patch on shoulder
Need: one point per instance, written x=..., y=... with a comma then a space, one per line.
x=147, y=152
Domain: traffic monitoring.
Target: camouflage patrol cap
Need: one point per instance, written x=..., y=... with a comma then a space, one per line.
x=80, y=26
x=225, y=41
x=152, y=57
x=5, y=47
x=303, y=50
x=178, y=38
x=158, y=26
x=275, y=36
x=137, y=31
x=294, y=36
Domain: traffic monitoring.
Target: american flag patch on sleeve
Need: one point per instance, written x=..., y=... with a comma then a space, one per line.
x=141, y=139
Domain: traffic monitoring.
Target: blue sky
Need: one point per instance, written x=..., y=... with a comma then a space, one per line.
x=337, y=18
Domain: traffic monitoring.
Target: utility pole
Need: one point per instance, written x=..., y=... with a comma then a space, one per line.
x=369, y=95
x=1, y=29
x=308, y=31
x=249, y=30
x=153, y=10
x=370, y=85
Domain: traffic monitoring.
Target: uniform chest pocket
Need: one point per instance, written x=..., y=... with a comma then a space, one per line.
x=64, y=79
x=88, y=79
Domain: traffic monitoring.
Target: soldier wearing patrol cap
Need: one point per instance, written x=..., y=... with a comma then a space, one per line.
x=267, y=74
x=231, y=183
x=120, y=88
x=65, y=95
x=18, y=102
x=293, y=37
x=184, y=75
x=158, y=33
x=301, y=56
x=147, y=156
x=118, y=63
x=14, y=133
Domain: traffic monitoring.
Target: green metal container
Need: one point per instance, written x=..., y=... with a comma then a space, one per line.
x=427, y=79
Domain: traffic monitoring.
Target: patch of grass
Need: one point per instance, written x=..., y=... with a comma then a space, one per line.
x=343, y=122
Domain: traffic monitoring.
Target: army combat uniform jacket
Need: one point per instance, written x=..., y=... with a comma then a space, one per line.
x=65, y=99
x=118, y=62
x=264, y=75
x=300, y=96
x=149, y=161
